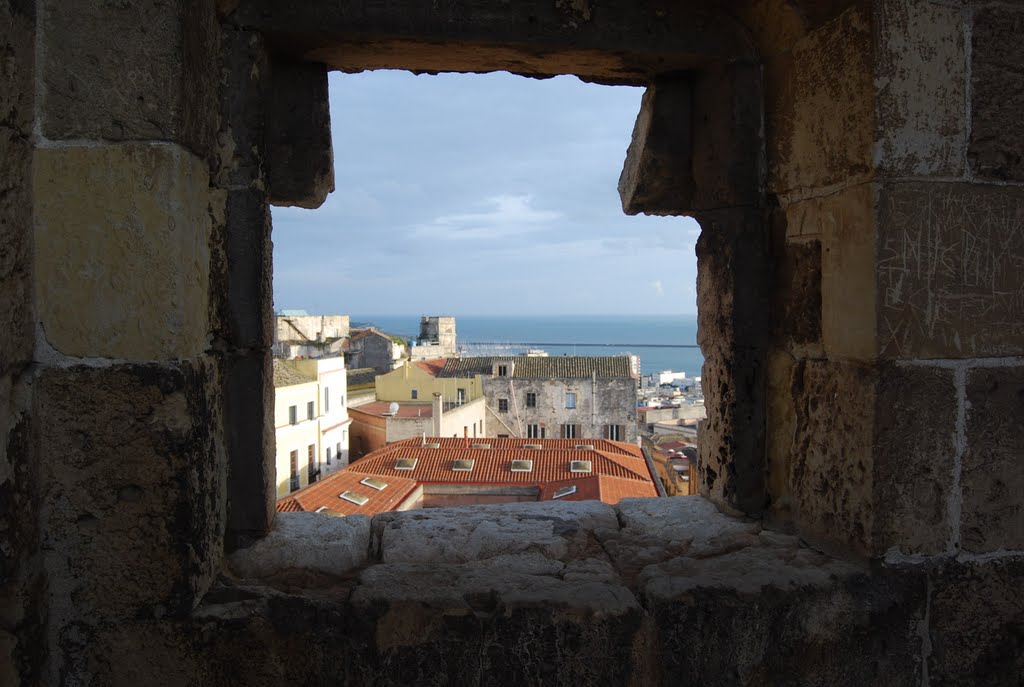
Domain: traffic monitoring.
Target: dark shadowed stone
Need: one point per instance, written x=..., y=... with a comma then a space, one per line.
x=657, y=176
x=131, y=71
x=132, y=514
x=976, y=624
x=249, y=419
x=300, y=160
x=914, y=449
x=992, y=480
x=798, y=276
x=997, y=88
x=950, y=258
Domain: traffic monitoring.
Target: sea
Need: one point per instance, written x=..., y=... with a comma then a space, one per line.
x=662, y=342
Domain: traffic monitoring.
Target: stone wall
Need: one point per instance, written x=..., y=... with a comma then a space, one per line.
x=856, y=170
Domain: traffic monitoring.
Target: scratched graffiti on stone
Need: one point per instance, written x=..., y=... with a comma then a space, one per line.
x=951, y=271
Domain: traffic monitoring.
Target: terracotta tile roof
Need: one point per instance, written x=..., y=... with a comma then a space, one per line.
x=326, y=494
x=286, y=374
x=618, y=471
x=405, y=410
x=565, y=367
x=432, y=367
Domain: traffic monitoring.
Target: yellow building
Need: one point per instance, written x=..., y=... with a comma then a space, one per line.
x=419, y=381
x=311, y=421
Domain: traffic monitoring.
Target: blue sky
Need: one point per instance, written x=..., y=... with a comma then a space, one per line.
x=480, y=194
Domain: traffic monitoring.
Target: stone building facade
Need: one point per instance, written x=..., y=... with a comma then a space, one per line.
x=567, y=397
x=437, y=338
x=374, y=349
x=856, y=170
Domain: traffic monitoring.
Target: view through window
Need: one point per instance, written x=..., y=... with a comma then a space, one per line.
x=473, y=277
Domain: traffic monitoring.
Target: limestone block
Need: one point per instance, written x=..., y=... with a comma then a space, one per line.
x=131, y=71
x=860, y=630
x=831, y=481
x=17, y=331
x=690, y=519
x=458, y=535
x=249, y=428
x=914, y=449
x=300, y=159
x=780, y=423
x=798, y=294
x=950, y=258
x=843, y=224
x=819, y=106
x=17, y=76
x=657, y=176
x=122, y=250
x=992, y=480
x=975, y=623
x=997, y=93
x=333, y=546
x=132, y=512
x=921, y=82
x=241, y=150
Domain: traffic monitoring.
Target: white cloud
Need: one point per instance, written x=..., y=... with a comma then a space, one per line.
x=658, y=287
x=507, y=216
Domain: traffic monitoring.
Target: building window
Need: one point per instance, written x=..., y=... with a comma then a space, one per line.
x=311, y=466
x=294, y=483
x=503, y=370
x=570, y=431
x=503, y=436
x=460, y=395
x=502, y=405
x=534, y=431
x=293, y=415
x=310, y=410
x=415, y=394
x=613, y=432
x=328, y=455
x=327, y=400
x=531, y=399
x=570, y=399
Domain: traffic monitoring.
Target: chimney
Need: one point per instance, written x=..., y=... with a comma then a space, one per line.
x=438, y=410
x=465, y=436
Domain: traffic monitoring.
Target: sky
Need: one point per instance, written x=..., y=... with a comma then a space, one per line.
x=480, y=195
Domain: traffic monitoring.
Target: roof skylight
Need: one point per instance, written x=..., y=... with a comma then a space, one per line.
x=584, y=447
x=405, y=463
x=463, y=465
x=522, y=466
x=373, y=483
x=564, y=491
x=480, y=446
x=354, y=497
x=532, y=446
x=581, y=466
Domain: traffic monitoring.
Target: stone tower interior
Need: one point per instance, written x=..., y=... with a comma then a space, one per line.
x=857, y=168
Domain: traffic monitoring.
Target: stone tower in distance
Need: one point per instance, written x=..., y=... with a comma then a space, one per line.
x=440, y=329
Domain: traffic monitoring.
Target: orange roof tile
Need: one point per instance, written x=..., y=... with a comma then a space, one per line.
x=327, y=494
x=432, y=367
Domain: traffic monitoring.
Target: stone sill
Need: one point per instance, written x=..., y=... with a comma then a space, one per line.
x=587, y=557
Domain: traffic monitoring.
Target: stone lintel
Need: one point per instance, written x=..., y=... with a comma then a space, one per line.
x=300, y=160
x=657, y=176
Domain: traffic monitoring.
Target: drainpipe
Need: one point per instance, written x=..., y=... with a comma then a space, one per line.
x=438, y=410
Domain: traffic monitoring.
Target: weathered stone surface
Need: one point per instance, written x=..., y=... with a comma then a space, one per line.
x=300, y=159
x=831, y=478
x=249, y=423
x=920, y=77
x=950, y=258
x=850, y=631
x=798, y=294
x=992, y=478
x=819, y=106
x=976, y=623
x=913, y=453
x=557, y=530
x=130, y=71
x=844, y=224
x=618, y=42
x=733, y=306
x=17, y=34
x=245, y=65
x=241, y=292
x=121, y=236
x=657, y=176
x=333, y=546
x=728, y=151
x=780, y=423
x=132, y=514
x=997, y=93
